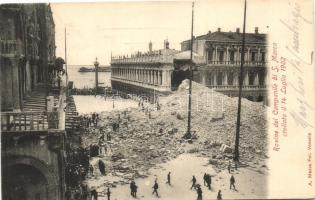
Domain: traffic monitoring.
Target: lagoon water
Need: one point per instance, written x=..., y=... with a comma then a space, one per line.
x=87, y=79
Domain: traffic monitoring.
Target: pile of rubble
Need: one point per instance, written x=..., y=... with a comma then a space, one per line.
x=147, y=137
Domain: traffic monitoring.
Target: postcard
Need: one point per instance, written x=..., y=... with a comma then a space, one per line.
x=172, y=100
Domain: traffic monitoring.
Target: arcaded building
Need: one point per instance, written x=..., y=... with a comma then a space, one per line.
x=221, y=59
x=144, y=73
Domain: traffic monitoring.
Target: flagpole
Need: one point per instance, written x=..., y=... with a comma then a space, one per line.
x=66, y=62
x=238, y=120
x=188, y=133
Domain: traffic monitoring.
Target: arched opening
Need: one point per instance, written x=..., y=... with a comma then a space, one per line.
x=22, y=181
x=220, y=78
x=38, y=180
x=178, y=76
x=230, y=78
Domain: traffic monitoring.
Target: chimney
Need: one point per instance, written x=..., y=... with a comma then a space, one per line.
x=150, y=47
x=209, y=32
x=237, y=30
x=219, y=30
x=256, y=30
x=166, y=44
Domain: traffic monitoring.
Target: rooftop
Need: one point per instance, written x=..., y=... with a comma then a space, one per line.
x=232, y=36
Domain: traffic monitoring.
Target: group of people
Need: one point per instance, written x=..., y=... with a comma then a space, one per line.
x=90, y=120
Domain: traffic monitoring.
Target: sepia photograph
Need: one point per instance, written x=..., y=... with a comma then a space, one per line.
x=136, y=100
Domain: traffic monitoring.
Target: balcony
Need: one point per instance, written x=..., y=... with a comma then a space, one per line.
x=40, y=113
x=29, y=121
x=237, y=63
x=144, y=59
x=10, y=48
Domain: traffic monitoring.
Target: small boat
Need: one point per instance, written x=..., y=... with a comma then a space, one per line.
x=100, y=69
x=86, y=69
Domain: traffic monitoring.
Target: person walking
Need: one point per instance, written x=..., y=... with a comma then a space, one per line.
x=155, y=188
x=108, y=193
x=94, y=194
x=132, y=183
x=135, y=189
x=232, y=182
x=193, y=182
x=209, y=181
x=219, y=196
x=199, y=193
x=169, y=178
x=205, y=179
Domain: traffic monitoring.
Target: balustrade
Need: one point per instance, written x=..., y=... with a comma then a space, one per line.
x=29, y=121
x=10, y=48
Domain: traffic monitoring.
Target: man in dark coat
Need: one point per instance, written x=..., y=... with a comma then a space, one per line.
x=108, y=193
x=199, y=193
x=155, y=188
x=169, y=178
x=94, y=194
x=193, y=182
x=232, y=182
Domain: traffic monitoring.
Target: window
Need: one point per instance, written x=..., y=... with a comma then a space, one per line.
x=263, y=56
x=253, y=56
x=210, y=58
x=221, y=56
x=232, y=56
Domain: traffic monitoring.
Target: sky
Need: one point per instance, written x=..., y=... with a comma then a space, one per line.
x=121, y=28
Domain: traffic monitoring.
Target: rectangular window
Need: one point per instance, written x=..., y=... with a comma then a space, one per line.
x=253, y=56
x=232, y=56
x=263, y=56
x=221, y=56
x=210, y=58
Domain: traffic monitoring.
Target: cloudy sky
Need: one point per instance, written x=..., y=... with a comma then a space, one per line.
x=99, y=29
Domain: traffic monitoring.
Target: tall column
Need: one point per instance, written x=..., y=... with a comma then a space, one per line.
x=151, y=77
x=225, y=81
x=235, y=79
x=227, y=55
x=15, y=84
x=246, y=79
x=256, y=80
x=154, y=77
x=160, y=77
x=216, y=54
x=248, y=56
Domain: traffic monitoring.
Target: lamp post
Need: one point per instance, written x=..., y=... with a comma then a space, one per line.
x=96, y=64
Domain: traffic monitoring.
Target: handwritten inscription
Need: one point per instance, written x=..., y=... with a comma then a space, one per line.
x=301, y=111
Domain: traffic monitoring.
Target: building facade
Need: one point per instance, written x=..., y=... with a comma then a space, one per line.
x=32, y=129
x=27, y=37
x=144, y=73
x=221, y=55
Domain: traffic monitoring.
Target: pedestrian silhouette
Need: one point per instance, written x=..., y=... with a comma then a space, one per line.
x=199, y=192
x=232, y=182
x=219, y=196
x=169, y=178
x=193, y=182
x=155, y=188
x=108, y=193
x=205, y=179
